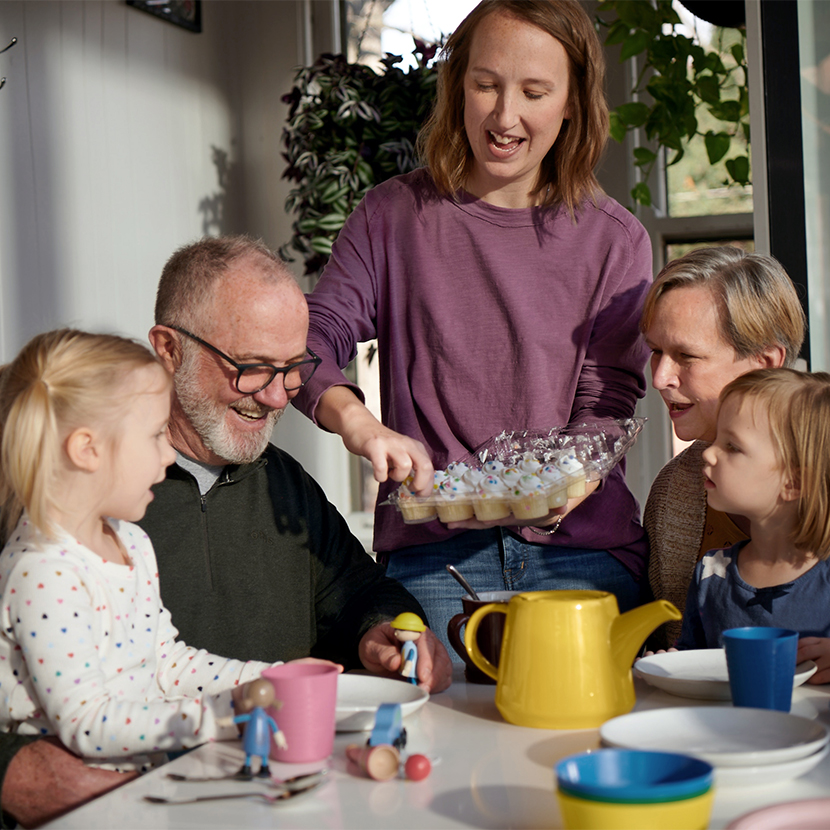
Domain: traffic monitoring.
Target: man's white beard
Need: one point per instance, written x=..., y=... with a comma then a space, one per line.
x=208, y=418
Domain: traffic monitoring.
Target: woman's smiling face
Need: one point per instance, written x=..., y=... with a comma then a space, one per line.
x=516, y=91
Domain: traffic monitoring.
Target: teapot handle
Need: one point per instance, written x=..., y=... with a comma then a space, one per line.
x=471, y=631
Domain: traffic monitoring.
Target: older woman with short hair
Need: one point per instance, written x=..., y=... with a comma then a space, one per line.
x=708, y=318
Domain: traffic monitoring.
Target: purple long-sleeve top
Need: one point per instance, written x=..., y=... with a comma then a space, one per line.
x=488, y=319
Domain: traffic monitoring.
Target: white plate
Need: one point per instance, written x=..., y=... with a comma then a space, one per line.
x=359, y=695
x=725, y=736
x=765, y=775
x=699, y=673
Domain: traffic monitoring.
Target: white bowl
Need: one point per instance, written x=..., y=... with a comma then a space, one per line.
x=725, y=736
x=699, y=673
x=359, y=695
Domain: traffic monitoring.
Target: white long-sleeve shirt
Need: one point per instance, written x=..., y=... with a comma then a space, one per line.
x=88, y=652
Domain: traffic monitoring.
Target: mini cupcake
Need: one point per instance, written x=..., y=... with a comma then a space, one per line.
x=529, y=465
x=473, y=477
x=529, y=499
x=493, y=467
x=457, y=469
x=492, y=501
x=555, y=484
x=414, y=509
x=575, y=472
x=455, y=500
x=510, y=476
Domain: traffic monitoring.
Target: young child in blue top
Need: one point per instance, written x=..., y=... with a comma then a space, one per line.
x=769, y=463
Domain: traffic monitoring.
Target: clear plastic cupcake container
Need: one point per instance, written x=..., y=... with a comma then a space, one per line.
x=524, y=474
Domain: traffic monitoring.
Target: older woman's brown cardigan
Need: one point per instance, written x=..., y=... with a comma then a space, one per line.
x=675, y=520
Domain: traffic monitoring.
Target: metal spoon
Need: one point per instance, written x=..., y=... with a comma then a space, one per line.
x=463, y=582
x=285, y=794
x=296, y=782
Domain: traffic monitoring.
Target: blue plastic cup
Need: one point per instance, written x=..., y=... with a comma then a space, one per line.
x=761, y=663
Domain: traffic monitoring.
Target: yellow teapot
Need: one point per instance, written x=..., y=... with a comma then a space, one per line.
x=566, y=656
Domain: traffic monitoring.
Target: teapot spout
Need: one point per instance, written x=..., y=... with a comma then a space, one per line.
x=629, y=630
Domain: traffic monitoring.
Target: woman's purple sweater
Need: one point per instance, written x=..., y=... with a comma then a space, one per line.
x=489, y=319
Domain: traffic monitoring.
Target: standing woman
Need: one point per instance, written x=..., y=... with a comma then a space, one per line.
x=505, y=290
x=711, y=316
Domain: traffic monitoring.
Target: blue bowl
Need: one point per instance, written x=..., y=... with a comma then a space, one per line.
x=633, y=776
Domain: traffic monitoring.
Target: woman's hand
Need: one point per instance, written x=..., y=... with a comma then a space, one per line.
x=392, y=455
x=816, y=649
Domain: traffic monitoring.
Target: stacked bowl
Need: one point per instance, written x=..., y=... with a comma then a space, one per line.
x=631, y=789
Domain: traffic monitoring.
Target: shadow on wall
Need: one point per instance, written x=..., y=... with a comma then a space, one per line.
x=222, y=211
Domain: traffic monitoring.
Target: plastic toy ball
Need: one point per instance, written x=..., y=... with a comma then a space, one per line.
x=417, y=767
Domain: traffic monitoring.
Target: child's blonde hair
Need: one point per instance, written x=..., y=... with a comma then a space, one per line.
x=798, y=408
x=60, y=380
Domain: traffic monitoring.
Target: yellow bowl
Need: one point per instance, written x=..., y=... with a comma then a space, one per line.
x=688, y=814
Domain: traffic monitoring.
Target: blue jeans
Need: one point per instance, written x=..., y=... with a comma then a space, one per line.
x=498, y=560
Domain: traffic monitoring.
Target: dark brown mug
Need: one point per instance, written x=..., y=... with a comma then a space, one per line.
x=489, y=633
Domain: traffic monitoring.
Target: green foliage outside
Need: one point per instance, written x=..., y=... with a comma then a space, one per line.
x=686, y=99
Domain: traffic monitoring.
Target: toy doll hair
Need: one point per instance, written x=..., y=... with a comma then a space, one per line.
x=798, y=408
x=569, y=165
x=60, y=380
x=757, y=303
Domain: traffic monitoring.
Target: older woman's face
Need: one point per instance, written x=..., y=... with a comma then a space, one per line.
x=690, y=360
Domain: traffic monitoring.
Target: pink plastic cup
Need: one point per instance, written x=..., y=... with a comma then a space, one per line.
x=308, y=692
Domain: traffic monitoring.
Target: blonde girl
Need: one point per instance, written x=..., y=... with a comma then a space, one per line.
x=88, y=652
x=769, y=463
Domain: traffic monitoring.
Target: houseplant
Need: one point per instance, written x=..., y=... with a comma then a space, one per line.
x=682, y=90
x=349, y=128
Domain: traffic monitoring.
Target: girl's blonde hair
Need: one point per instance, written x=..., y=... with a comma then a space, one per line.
x=798, y=408
x=60, y=380
x=567, y=174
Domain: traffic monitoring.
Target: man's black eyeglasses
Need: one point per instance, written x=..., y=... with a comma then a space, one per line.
x=254, y=377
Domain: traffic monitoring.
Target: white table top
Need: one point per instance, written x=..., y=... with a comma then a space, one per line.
x=486, y=774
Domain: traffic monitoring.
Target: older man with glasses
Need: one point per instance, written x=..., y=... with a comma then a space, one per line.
x=254, y=562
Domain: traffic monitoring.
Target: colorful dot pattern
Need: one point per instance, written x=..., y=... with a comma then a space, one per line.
x=89, y=652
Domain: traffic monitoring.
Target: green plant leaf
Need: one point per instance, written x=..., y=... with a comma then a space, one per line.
x=738, y=168
x=641, y=194
x=737, y=51
x=331, y=221
x=321, y=245
x=634, y=44
x=633, y=114
x=616, y=128
x=708, y=89
x=727, y=111
x=616, y=34
x=717, y=145
x=643, y=156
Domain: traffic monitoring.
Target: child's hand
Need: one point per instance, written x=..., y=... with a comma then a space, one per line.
x=659, y=651
x=816, y=649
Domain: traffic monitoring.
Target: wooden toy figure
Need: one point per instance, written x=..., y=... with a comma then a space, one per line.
x=259, y=726
x=408, y=628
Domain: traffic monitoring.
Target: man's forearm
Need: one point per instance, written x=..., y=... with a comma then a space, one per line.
x=43, y=780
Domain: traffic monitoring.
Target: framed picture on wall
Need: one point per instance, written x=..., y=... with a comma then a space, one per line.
x=185, y=13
